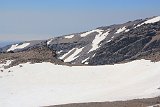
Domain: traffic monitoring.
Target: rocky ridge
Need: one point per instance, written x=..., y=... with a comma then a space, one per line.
x=139, y=39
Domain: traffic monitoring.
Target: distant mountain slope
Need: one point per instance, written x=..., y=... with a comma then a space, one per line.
x=104, y=45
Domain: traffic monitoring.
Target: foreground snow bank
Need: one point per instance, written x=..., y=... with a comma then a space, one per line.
x=46, y=84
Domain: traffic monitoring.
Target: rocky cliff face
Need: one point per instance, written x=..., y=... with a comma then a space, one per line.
x=105, y=45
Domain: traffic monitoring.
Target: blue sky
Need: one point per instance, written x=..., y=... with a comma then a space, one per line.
x=42, y=19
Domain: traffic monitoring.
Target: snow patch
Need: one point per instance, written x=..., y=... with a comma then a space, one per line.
x=69, y=37
x=93, y=55
x=63, y=56
x=109, y=40
x=72, y=56
x=89, y=32
x=98, y=38
x=127, y=30
x=16, y=46
x=58, y=52
x=48, y=42
x=85, y=60
x=121, y=30
x=153, y=20
x=86, y=63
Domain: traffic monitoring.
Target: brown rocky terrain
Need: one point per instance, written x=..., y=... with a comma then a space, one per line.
x=33, y=55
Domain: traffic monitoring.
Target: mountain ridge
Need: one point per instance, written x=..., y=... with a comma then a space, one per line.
x=104, y=45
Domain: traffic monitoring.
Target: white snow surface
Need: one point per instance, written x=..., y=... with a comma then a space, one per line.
x=121, y=30
x=44, y=84
x=153, y=20
x=16, y=46
x=69, y=37
x=98, y=38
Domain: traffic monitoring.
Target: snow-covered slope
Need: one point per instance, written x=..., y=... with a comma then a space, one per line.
x=43, y=84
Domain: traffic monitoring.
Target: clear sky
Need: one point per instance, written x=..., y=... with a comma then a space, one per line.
x=43, y=19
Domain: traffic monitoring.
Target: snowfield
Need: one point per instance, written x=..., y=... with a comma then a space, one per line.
x=44, y=84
